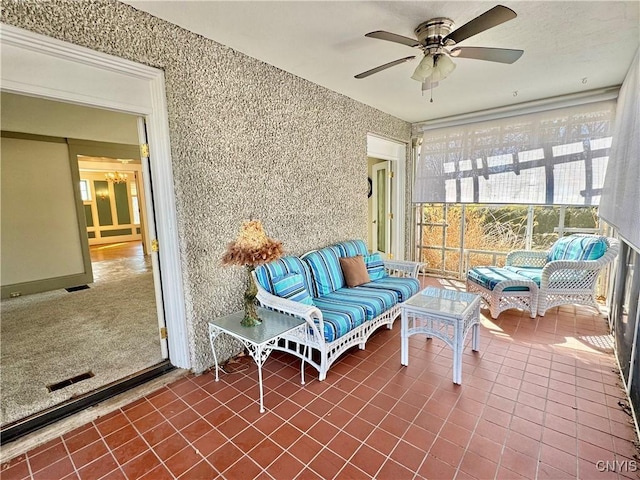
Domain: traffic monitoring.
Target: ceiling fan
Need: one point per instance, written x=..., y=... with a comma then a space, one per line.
x=436, y=38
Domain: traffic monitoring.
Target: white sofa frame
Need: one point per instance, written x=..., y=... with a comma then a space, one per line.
x=303, y=343
x=565, y=282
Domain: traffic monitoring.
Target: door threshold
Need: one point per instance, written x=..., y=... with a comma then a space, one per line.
x=21, y=436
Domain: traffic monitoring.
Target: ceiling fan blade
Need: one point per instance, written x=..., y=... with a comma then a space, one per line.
x=384, y=67
x=501, y=55
x=489, y=19
x=392, y=37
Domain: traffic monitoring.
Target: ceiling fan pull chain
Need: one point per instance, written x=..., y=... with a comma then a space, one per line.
x=431, y=101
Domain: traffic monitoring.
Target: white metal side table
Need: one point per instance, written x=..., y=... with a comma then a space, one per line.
x=444, y=314
x=259, y=340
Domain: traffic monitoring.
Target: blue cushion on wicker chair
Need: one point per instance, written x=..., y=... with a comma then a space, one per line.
x=267, y=273
x=325, y=270
x=375, y=266
x=339, y=318
x=578, y=247
x=404, y=287
x=489, y=277
x=291, y=286
x=351, y=248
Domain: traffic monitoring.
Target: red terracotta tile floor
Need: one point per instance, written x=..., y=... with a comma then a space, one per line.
x=540, y=400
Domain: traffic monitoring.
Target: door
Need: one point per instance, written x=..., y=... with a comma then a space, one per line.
x=150, y=237
x=381, y=209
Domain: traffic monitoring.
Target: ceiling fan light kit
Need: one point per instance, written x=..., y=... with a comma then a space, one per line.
x=424, y=69
x=435, y=38
x=434, y=67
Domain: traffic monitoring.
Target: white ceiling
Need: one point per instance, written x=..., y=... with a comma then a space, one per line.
x=569, y=46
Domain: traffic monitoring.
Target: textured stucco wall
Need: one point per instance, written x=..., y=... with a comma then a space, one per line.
x=247, y=141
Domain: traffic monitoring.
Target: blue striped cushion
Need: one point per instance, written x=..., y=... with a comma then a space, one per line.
x=351, y=248
x=265, y=274
x=339, y=318
x=532, y=273
x=291, y=286
x=374, y=301
x=578, y=247
x=325, y=271
x=489, y=277
x=375, y=266
x=404, y=287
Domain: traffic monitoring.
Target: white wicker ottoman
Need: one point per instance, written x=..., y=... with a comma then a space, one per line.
x=503, y=289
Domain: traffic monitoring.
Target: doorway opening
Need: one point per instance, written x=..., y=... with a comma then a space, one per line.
x=386, y=167
x=111, y=325
x=78, y=76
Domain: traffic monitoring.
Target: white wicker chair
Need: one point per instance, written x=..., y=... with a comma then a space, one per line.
x=565, y=282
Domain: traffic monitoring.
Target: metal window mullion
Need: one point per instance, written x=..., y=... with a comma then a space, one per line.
x=462, y=230
x=422, y=249
x=561, y=218
x=529, y=236
x=445, y=210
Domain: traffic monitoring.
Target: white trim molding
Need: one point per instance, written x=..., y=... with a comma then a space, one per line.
x=45, y=67
x=396, y=152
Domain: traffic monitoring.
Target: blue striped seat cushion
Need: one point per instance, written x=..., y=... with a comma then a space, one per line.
x=266, y=274
x=374, y=301
x=532, y=273
x=291, y=286
x=326, y=272
x=489, y=277
x=404, y=287
x=339, y=318
x=578, y=247
x=351, y=248
x=375, y=266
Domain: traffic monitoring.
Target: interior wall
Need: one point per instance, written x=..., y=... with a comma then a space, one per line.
x=39, y=220
x=39, y=116
x=247, y=141
x=41, y=241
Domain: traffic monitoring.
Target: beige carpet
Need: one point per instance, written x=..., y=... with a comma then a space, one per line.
x=109, y=329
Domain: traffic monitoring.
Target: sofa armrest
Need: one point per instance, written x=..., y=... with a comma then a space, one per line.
x=310, y=313
x=527, y=258
x=571, y=274
x=402, y=268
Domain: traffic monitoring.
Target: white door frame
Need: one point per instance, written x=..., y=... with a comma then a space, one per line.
x=396, y=152
x=375, y=207
x=45, y=67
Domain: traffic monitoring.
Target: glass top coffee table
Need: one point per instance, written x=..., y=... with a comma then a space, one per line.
x=259, y=340
x=444, y=314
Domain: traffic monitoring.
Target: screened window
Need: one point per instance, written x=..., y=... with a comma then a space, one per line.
x=555, y=157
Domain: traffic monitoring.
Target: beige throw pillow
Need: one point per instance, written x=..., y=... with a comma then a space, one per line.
x=354, y=270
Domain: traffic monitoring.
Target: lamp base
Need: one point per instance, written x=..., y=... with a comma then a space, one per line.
x=251, y=318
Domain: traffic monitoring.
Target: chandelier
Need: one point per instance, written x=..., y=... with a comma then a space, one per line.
x=116, y=177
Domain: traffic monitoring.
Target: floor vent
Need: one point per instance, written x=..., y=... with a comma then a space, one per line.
x=75, y=289
x=69, y=381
